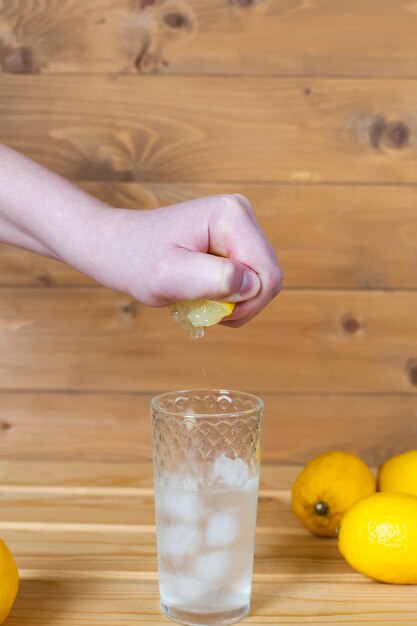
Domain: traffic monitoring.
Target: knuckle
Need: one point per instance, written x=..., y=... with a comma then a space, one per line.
x=275, y=279
x=233, y=203
x=161, y=281
x=227, y=280
x=244, y=201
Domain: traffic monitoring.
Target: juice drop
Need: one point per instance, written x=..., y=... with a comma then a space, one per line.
x=197, y=332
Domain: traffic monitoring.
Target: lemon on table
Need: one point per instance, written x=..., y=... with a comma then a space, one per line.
x=9, y=581
x=197, y=314
x=378, y=537
x=327, y=486
x=399, y=473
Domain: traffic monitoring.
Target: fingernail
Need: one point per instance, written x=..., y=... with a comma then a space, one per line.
x=249, y=287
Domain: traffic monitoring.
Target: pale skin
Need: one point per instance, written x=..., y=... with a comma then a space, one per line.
x=209, y=247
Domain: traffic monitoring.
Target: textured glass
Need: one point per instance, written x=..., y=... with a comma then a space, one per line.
x=206, y=468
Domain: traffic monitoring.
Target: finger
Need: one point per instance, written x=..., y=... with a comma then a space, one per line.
x=241, y=239
x=245, y=311
x=189, y=275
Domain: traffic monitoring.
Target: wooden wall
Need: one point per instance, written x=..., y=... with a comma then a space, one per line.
x=308, y=108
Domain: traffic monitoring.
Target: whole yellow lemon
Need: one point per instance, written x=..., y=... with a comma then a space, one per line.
x=9, y=581
x=326, y=487
x=378, y=537
x=399, y=473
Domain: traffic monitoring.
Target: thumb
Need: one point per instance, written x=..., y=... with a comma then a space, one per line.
x=197, y=275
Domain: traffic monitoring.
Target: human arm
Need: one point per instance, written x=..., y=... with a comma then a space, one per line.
x=209, y=247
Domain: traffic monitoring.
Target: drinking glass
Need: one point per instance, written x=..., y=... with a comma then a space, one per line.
x=206, y=450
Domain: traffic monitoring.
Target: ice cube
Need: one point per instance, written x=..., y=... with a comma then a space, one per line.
x=176, y=542
x=229, y=472
x=180, y=590
x=213, y=566
x=182, y=481
x=252, y=484
x=222, y=529
x=182, y=506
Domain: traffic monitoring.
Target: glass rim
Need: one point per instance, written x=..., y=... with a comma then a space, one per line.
x=155, y=403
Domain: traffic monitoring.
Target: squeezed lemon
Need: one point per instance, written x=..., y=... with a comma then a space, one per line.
x=196, y=315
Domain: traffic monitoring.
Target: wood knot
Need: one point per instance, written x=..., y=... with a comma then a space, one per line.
x=394, y=135
x=307, y=91
x=5, y=425
x=44, y=280
x=145, y=62
x=242, y=3
x=146, y=3
x=350, y=323
x=128, y=308
x=411, y=369
x=124, y=175
x=20, y=61
x=176, y=20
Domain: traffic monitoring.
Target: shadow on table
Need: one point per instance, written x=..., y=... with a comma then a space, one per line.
x=41, y=602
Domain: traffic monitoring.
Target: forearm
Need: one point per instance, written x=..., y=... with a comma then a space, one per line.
x=42, y=212
x=204, y=248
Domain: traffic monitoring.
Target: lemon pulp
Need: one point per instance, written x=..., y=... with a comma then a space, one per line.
x=195, y=315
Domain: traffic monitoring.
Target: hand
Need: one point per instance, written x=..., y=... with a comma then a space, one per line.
x=205, y=248
x=210, y=247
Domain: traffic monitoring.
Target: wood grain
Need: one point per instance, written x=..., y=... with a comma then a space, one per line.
x=108, y=477
x=63, y=602
x=80, y=474
x=214, y=129
x=108, y=513
x=117, y=428
x=132, y=555
x=326, y=236
x=305, y=341
x=209, y=36
x=89, y=557
x=309, y=109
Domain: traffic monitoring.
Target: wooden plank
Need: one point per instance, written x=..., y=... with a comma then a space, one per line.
x=94, y=533
x=63, y=602
x=31, y=509
x=81, y=474
x=210, y=36
x=305, y=341
x=117, y=428
x=212, y=128
x=107, y=477
x=282, y=555
x=50, y=509
x=86, y=552
x=95, y=570
x=326, y=236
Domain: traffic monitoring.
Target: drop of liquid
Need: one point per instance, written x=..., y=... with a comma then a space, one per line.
x=197, y=333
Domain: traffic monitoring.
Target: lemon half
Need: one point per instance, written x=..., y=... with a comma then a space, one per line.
x=191, y=314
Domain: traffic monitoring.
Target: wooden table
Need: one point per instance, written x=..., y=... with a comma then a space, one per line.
x=83, y=536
